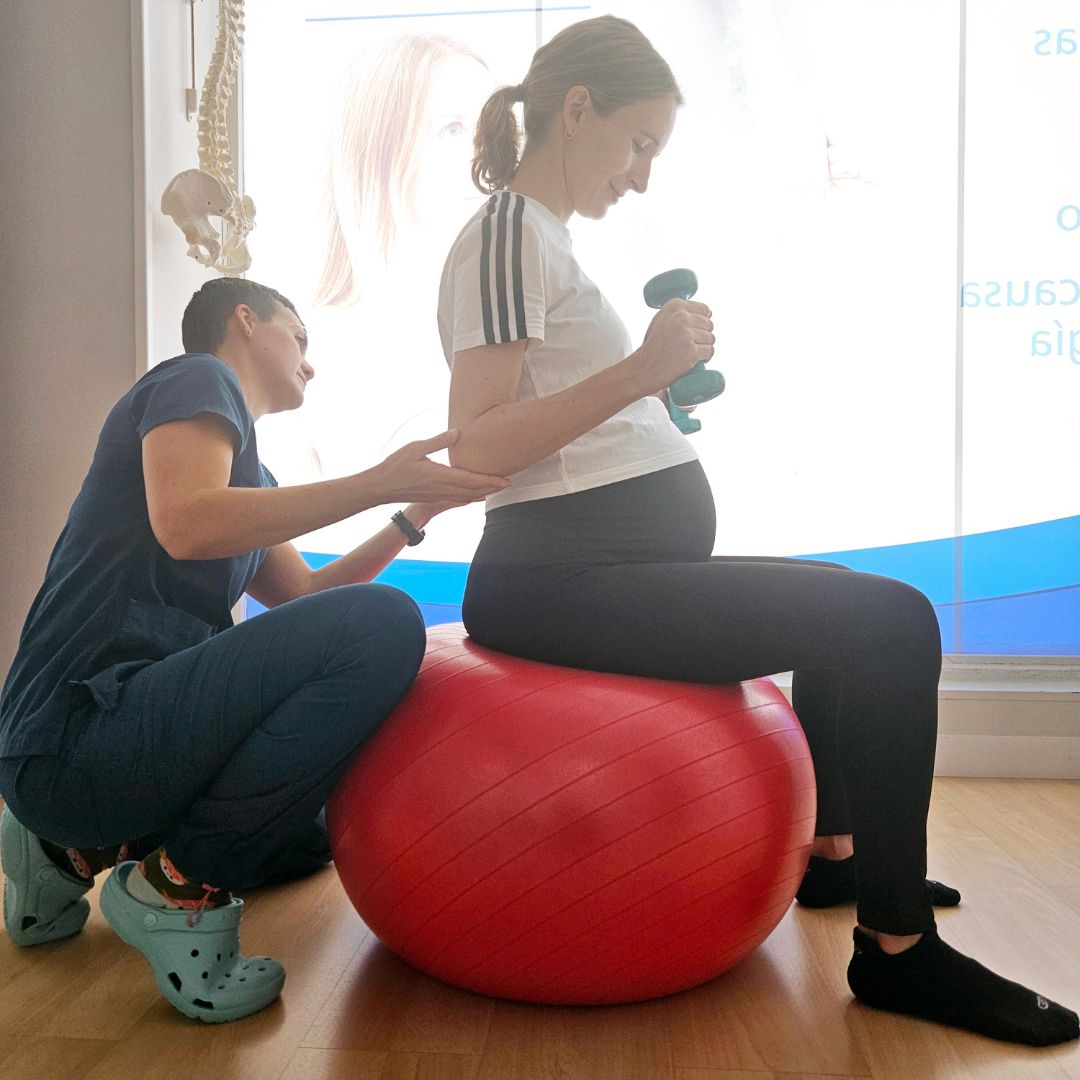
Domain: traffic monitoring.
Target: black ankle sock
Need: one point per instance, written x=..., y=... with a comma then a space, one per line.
x=934, y=981
x=832, y=881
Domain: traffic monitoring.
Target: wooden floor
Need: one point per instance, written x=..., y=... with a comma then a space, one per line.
x=88, y=1008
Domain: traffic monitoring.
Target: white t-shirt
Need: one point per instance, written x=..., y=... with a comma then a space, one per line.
x=511, y=275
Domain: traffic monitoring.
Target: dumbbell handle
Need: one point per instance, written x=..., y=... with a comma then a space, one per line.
x=700, y=383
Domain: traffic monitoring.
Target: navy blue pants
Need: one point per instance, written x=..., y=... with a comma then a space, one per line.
x=226, y=752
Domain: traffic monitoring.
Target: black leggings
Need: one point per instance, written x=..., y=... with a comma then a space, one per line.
x=620, y=578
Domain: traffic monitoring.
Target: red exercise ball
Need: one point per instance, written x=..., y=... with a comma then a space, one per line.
x=550, y=834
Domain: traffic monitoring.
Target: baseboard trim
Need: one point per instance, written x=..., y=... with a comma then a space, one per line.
x=1019, y=733
x=1042, y=757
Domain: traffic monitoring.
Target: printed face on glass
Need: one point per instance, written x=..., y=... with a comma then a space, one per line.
x=398, y=172
x=443, y=189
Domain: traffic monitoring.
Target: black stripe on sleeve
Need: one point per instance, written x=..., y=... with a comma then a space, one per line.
x=515, y=268
x=485, y=273
x=500, y=269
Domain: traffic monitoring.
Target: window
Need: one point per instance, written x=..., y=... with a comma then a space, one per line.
x=881, y=203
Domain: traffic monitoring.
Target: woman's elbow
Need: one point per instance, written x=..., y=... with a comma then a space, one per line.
x=463, y=453
x=180, y=541
x=477, y=459
x=464, y=459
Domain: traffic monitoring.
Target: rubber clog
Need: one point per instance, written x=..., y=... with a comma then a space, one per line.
x=195, y=957
x=42, y=903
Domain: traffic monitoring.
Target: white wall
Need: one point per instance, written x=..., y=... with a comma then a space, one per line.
x=67, y=267
x=93, y=277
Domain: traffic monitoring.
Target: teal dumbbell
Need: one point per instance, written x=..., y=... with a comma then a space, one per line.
x=699, y=383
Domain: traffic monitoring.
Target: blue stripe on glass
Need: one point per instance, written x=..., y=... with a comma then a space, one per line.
x=443, y=14
x=1005, y=562
x=1035, y=624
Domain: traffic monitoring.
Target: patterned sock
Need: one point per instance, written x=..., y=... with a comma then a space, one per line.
x=84, y=862
x=157, y=882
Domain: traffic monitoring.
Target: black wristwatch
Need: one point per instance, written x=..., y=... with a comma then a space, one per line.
x=414, y=534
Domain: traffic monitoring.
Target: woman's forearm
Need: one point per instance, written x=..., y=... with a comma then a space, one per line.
x=372, y=556
x=513, y=435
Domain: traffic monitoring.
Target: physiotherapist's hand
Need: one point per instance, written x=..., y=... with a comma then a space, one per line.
x=679, y=336
x=409, y=476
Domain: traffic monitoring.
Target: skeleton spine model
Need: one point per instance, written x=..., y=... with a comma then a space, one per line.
x=196, y=195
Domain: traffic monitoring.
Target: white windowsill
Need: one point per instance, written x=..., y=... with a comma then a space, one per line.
x=1058, y=675
x=996, y=676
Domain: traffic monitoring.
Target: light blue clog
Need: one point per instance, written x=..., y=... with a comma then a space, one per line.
x=195, y=957
x=41, y=902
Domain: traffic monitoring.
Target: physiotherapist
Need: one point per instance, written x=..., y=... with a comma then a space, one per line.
x=137, y=719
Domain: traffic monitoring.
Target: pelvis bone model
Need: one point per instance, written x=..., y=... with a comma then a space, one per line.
x=197, y=195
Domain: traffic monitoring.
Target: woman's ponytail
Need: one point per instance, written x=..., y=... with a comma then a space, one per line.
x=497, y=146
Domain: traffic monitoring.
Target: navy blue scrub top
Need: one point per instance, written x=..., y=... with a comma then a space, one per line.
x=113, y=600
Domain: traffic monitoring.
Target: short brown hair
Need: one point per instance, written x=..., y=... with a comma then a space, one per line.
x=206, y=317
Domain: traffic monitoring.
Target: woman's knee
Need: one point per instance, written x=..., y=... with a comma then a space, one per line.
x=383, y=625
x=359, y=610
x=907, y=618
x=374, y=631
x=29, y=787
x=373, y=646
